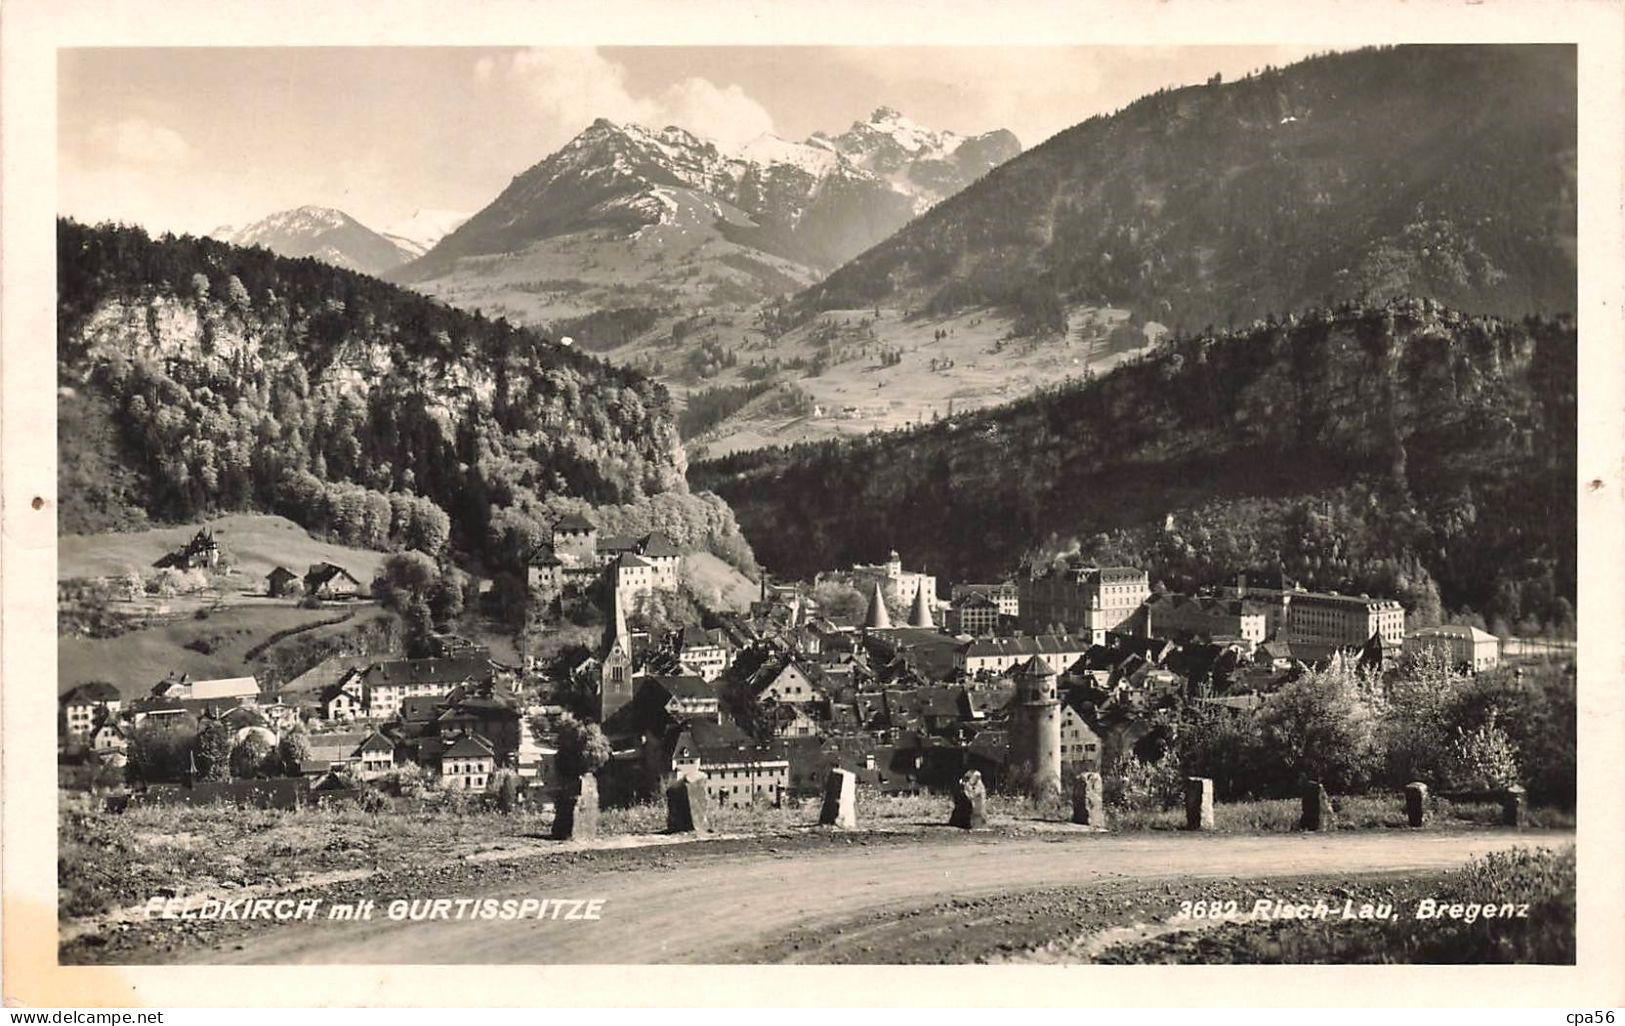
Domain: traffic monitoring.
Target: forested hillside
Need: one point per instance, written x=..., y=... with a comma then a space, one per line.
x=1402, y=449
x=1445, y=171
x=197, y=377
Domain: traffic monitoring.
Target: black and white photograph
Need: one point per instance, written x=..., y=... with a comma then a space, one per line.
x=988, y=504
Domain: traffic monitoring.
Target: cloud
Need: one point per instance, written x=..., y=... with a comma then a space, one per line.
x=137, y=141
x=567, y=88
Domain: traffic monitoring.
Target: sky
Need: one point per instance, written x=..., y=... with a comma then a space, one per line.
x=189, y=139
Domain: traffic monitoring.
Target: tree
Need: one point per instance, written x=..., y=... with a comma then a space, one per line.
x=1481, y=759
x=504, y=783
x=1322, y=727
x=583, y=748
x=293, y=751
x=251, y=757
x=161, y=751
x=213, y=750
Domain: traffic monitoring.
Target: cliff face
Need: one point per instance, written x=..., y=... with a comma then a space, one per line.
x=1444, y=442
x=218, y=375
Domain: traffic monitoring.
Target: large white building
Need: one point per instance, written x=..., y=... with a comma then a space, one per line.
x=906, y=582
x=1461, y=645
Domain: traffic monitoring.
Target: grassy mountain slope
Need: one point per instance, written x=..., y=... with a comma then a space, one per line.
x=1404, y=449
x=1446, y=171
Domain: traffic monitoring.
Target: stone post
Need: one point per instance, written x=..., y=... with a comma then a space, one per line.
x=686, y=808
x=1198, y=803
x=1317, y=808
x=970, y=802
x=576, y=816
x=1512, y=806
x=840, y=800
x=1089, y=801
x=1416, y=803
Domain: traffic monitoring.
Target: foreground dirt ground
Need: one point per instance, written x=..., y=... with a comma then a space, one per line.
x=818, y=896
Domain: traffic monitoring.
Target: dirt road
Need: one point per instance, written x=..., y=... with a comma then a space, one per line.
x=737, y=908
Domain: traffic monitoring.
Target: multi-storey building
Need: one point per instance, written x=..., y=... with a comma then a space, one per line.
x=1088, y=599
x=1000, y=655
x=973, y=613
x=891, y=573
x=1461, y=645
x=1181, y=617
x=1006, y=596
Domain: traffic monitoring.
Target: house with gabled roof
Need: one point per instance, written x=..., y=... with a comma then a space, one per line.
x=466, y=762
x=738, y=769
x=82, y=705
x=328, y=581
x=280, y=581
x=375, y=756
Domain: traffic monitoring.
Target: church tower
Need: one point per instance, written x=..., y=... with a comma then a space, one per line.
x=921, y=615
x=1035, y=736
x=615, y=669
x=877, y=618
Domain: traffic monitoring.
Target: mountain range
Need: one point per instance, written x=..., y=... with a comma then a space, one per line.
x=336, y=238
x=625, y=216
x=1446, y=171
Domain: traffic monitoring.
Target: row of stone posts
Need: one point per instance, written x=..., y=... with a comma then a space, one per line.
x=687, y=805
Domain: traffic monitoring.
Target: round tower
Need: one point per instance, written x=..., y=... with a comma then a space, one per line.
x=1035, y=743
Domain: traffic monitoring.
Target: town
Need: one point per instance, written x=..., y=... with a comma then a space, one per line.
x=1031, y=683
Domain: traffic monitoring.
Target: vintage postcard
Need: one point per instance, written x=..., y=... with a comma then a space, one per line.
x=521, y=496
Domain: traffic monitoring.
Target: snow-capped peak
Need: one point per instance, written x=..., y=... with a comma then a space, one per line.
x=768, y=149
x=418, y=234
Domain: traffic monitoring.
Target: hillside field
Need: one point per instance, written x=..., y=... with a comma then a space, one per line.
x=255, y=544
x=135, y=661
x=835, y=361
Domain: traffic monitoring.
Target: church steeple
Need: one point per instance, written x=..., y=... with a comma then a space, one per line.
x=921, y=616
x=877, y=617
x=620, y=637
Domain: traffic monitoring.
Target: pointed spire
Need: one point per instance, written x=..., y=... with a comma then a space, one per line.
x=796, y=611
x=921, y=616
x=877, y=616
x=621, y=638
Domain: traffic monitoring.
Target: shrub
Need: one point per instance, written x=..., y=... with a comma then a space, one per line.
x=1134, y=784
x=583, y=748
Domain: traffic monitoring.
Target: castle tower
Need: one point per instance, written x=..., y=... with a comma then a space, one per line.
x=877, y=618
x=894, y=565
x=1035, y=735
x=615, y=670
x=921, y=615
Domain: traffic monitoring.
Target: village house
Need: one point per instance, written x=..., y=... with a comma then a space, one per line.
x=231, y=690
x=375, y=756
x=1089, y=599
x=280, y=582
x=787, y=684
x=702, y=652
x=328, y=581
x=466, y=763
x=330, y=751
x=1000, y=655
x=202, y=552
x=738, y=771
x=1080, y=745
x=378, y=691
x=83, y=706
x=1461, y=645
